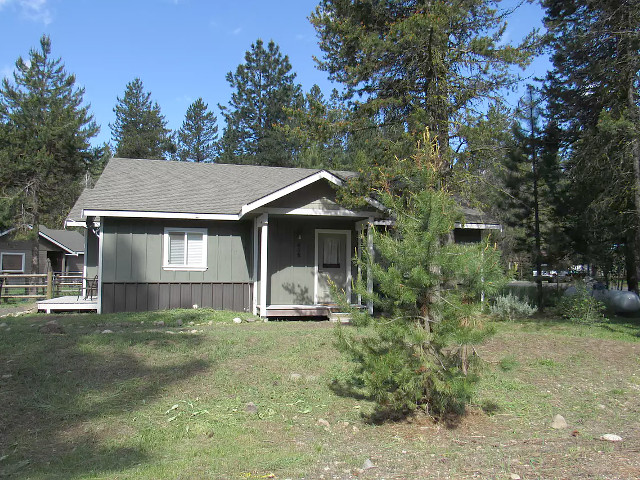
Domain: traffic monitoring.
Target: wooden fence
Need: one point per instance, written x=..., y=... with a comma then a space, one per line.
x=42, y=285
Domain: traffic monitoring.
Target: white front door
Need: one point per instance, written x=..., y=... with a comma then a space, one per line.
x=333, y=263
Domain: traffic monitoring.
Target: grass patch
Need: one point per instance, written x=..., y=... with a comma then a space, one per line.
x=167, y=394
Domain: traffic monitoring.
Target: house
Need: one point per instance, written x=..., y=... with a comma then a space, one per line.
x=268, y=240
x=64, y=249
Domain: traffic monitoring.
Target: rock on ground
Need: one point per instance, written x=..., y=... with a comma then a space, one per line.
x=610, y=437
x=558, y=422
x=323, y=422
x=367, y=464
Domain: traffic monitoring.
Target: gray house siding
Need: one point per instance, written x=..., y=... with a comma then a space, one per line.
x=318, y=195
x=74, y=264
x=92, y=251
x=9, y=244
x=291, y=261
x=133, y=278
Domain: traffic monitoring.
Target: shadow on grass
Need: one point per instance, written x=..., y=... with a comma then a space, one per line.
x=351, y=388
x=54, y=386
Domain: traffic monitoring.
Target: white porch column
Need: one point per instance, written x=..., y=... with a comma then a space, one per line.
x=369, y=269
x=263, y=222
x=256, y=233
x=100, y=262
x=83, y=280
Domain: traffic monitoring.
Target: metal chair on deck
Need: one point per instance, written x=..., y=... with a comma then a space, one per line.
x=91, y=289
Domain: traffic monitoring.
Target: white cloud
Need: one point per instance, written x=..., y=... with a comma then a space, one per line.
x=237, y=31
x=36, y=10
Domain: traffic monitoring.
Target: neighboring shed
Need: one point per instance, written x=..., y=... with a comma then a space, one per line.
x=264, y=239
x=64, y=249
x=476, y=226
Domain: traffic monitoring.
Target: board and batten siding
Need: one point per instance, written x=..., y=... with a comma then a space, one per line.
x=320, y=195
x=133, y=278
x=291, y=263
x=9, y=244
x=91, y=254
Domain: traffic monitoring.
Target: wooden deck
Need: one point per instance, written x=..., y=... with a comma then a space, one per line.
x=68, y=304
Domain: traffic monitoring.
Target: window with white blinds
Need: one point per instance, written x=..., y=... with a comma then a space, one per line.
x=185, y=249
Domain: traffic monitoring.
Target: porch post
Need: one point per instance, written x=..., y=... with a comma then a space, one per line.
x=369, y=269
x=264, y=235
x=254, y=300
x=87, y=232
x=100, y=262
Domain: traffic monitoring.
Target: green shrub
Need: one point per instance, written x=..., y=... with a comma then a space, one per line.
x=581, y=307
x=529, y=293
x=508, y=307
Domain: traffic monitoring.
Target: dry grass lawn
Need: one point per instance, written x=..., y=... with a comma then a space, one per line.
x=170, y=401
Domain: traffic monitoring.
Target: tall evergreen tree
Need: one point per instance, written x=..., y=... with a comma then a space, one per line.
x=317, y=128
x=44, y=142
x=422, y=64
x=140, y=129
x=531, y=177
x=264, y=86
x=198, y=136
x=593, y=93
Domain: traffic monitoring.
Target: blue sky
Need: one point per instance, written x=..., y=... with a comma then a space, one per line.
x=181, y=49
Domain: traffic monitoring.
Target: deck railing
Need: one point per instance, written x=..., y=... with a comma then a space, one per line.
x=18, y=285
x=69, y=283
x=40, y=285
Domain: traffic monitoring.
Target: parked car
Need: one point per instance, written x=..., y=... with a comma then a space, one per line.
x=547, y=275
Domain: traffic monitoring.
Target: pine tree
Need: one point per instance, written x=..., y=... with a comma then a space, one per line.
x=531, y=175
x=593, y=94
x=316, y=129
x=417, y=353
x=263, y=87
x=198, y=136
x=418, y=63
x=44, y=143
x=140, y=129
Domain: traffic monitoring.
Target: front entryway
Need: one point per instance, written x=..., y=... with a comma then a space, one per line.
x=333, y=263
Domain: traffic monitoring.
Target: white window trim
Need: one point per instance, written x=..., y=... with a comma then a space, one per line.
x=165, y=250
x=12, y=253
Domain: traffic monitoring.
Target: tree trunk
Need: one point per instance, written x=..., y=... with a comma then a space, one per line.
x=631, y=263
x=635, y=158
x=35, y=239
x=536, y=203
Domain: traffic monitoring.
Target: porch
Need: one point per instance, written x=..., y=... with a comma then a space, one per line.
x=68, y=304
x=300, y=256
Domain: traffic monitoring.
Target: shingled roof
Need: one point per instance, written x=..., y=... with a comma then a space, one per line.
x=69, y=240
x=140, y=185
